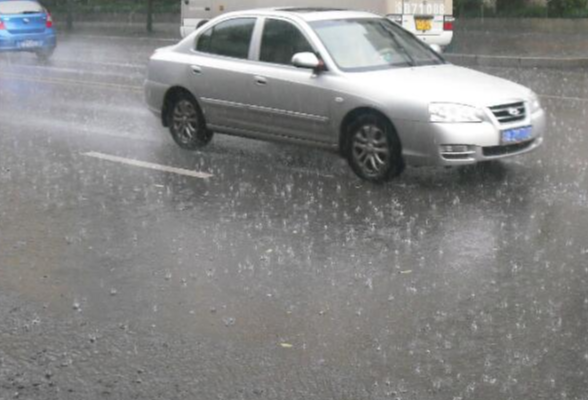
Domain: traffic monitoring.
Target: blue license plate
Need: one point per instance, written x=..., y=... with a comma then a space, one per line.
x=517, y=135
x=30, y=44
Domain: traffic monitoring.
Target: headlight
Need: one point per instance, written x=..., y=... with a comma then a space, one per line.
x=534, y=102
x=448, y=112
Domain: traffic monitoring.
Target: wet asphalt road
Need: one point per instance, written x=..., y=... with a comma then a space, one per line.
x=282, y=276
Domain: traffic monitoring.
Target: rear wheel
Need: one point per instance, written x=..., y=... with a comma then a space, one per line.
x=374, y=149
x=186, y=123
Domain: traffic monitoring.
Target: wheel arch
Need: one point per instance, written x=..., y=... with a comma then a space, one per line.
x=352, y=116
x=171, y=94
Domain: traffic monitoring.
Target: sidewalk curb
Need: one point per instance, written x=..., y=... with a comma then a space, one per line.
x=515, y=62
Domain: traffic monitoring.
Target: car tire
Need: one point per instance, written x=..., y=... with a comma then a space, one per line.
x=186, y=122
x=373, y=148
x=45, y=54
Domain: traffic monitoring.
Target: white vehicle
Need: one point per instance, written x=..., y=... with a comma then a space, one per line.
x=430, y=20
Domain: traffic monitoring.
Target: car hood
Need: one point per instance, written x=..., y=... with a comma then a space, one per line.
x=443, y=83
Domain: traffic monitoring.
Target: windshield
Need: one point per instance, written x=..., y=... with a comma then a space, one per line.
x=20, y=7
x=368, y=44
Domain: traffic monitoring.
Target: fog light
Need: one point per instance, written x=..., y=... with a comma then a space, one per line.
x=457, y=152
x=456, y=148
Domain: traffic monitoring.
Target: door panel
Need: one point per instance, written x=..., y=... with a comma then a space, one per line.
x=221, y=73
x=224, y=90
x=290, y=101
x=293, y=102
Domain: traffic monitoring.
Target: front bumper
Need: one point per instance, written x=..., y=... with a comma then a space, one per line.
x=480, y=142
x=10, y=42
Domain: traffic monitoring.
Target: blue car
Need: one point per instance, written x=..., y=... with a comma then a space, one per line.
x=25, y=25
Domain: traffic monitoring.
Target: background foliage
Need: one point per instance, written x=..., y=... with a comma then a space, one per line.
x=463, y=8
x=110, y=6
x=522, y=9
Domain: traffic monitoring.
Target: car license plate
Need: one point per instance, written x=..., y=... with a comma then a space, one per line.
x=423, y=25
x=517, y=135
x=30, y=44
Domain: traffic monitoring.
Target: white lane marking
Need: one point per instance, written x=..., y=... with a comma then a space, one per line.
x=147, y=165
x=563, y=97
x=44, y=124
x=83, y=72
x=69, y=82
x=514, y=57
x=74, y=66
x=102, y=63
x=130, y=38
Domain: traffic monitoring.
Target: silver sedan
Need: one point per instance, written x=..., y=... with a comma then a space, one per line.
x=349, y=81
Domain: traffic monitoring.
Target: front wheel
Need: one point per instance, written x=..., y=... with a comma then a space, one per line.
x=186, y=123
x=374, y=150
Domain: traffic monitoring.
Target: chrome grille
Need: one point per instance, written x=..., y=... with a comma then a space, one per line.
x=508, y=113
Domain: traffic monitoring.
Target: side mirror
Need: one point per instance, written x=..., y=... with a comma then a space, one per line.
x=307, y=60
x=436, y=48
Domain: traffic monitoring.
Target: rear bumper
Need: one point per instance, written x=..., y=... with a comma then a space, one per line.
x=154, y=97
x=443, y=39
x=14, y=42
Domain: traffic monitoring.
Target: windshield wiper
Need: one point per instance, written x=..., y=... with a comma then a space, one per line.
x=411, y=61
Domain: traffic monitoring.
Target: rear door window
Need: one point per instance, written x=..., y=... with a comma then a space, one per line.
x=230, y=38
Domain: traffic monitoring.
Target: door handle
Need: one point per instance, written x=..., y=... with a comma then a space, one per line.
x=260, y=80
x=196, y=69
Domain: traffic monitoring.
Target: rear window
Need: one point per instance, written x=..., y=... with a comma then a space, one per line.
x=20, y=7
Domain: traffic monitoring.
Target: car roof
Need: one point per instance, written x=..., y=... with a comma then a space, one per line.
x=309, y=14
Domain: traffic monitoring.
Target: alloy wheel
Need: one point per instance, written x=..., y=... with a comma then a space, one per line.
x=185, y=121
x=371, y=150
